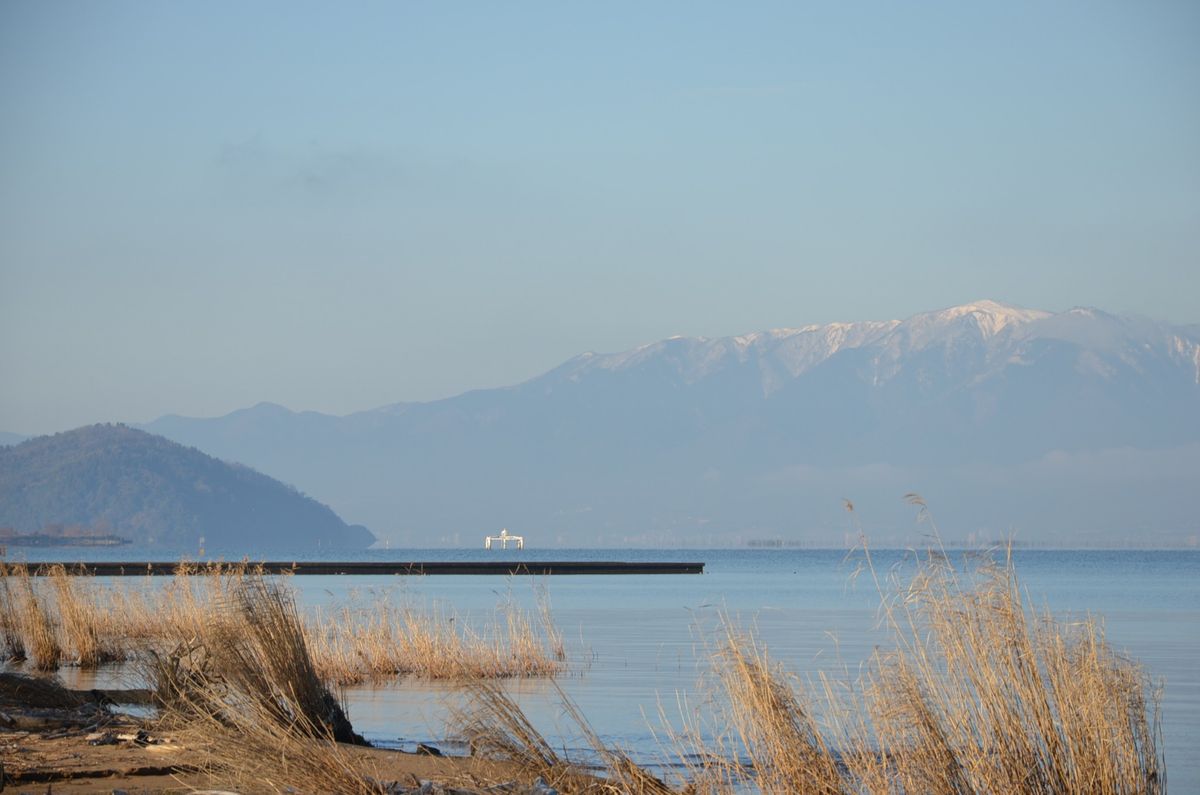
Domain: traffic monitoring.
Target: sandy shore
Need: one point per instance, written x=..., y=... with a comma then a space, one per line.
x=57, y=740
x=38, y=763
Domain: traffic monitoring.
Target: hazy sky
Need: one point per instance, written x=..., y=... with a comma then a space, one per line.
x=341, y=205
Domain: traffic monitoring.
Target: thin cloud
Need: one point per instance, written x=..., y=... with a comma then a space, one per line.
x=318, y=171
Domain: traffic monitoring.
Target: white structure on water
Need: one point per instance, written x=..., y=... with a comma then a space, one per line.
x=504, y=538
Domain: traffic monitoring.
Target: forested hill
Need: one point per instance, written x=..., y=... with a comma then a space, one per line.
x=115, y=479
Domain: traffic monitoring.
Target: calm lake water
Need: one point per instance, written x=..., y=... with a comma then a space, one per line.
x=638, y=644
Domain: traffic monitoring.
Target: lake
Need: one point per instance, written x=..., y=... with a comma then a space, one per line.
x=638, y=644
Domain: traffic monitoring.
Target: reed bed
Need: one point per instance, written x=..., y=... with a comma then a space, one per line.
x=979, y=693
x=357, y=644
x=29, y=613
x=64, y=617
x=984, y=693
x=67, y=618
x=84, y=623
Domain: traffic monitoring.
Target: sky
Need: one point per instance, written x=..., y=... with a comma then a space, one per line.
x=204, y=205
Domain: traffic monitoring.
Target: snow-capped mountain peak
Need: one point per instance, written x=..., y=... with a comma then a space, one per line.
x=1078, y=409
x=990, y=335
x=989, y=317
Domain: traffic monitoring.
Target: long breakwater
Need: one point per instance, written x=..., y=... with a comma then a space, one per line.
x=504, y=568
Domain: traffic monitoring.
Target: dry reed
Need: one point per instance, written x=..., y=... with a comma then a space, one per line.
x=260, y=655
x=10, y=620
x=84, y=621
x=100, y=622
x=36, y=621
x=980, y=694
x=352, y=645
x=495, y=727
x=773, y=720
x=251, y=750
x=246, y=694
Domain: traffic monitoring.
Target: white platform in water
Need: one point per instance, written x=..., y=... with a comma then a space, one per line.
x=504, y=538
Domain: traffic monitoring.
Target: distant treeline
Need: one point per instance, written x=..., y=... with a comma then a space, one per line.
x=66, y=532
x=53, y=536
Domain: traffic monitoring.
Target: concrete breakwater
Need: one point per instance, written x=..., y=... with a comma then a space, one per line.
x=506, y=568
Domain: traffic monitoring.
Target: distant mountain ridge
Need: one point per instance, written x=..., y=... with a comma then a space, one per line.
x=113, y=479
x=1000, y=331
x=1077, y=422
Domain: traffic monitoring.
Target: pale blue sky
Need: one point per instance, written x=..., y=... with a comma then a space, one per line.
x=338, y=206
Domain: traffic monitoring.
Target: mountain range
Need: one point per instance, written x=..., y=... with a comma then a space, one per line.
x=1049, y=427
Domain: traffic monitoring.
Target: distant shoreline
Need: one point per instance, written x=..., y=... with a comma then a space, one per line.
x=44, y=540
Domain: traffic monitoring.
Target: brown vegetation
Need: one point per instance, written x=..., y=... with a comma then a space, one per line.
x=82, y=621
x=12, y=637
x=979, y=692
x=246, y=695
x=494, y=727
x=384, y=640
x=64, y=617
x=35, y=622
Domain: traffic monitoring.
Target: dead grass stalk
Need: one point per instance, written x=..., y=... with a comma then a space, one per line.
x=82, y=618
x=36, y=622
x=10, y=618
x=494, y=726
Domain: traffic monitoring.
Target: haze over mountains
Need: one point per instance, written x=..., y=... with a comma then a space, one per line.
x=111, y=479
x=1072, y=427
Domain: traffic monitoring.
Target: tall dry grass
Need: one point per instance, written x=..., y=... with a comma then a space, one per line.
x=253, y=658
x=91, y=622
x=774, y=720
x=10, y=619
x=61, y=616
x=246, y=696
x=356, y=644
x=495, y=727
x=86, y=624
x=34, y=616
x=978, y=693
x=249, y=750
x=983, y=693
x=265, y=654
